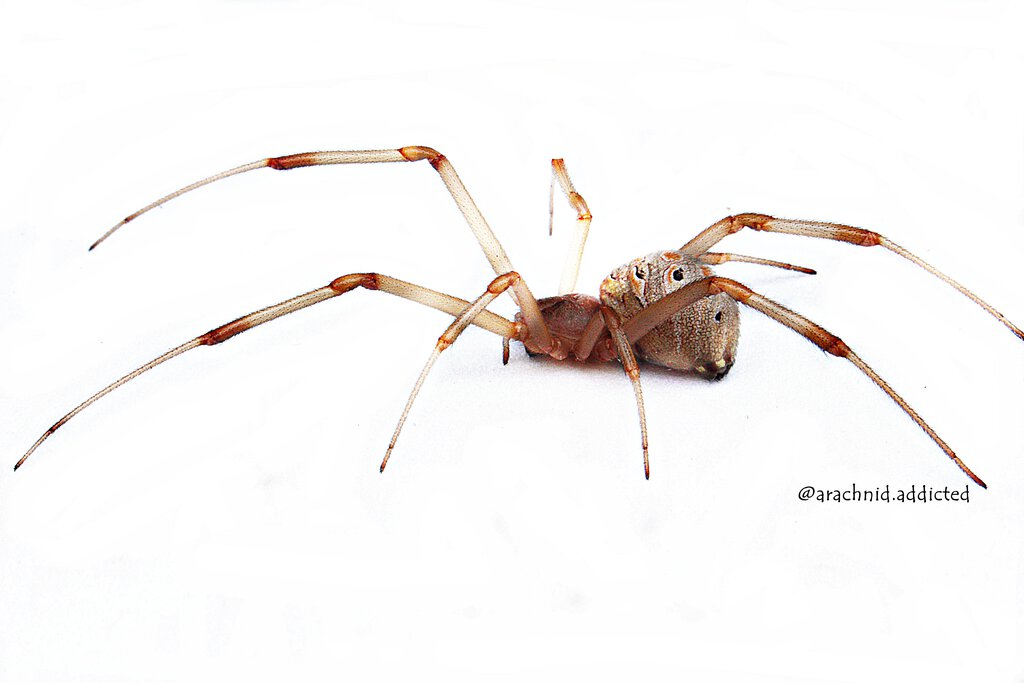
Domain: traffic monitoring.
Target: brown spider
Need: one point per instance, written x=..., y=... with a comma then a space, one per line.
x=667, y=308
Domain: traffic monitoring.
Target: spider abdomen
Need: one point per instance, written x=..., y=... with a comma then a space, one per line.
x=702, y=337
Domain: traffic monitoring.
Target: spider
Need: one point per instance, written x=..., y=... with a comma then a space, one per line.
x=667, y=308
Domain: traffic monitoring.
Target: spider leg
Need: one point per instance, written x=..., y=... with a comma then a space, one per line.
x=829, y=231
x=713, y=258
x=654, y=314
x=593, y=333
x=632, y=368
x=571, y=269
x=372, y=281
x=467, y=317
x=664, y=308
x=492, y=249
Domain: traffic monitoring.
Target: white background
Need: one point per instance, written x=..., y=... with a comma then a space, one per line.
x=222, y=518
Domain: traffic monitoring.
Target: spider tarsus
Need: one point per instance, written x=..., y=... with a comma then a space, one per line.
x=387, y=456
x=40, y=440
x=110, y=232
x=975, y=478
x=114, y=229
x=31, y=450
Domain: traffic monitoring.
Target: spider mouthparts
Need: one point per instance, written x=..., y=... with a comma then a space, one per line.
x=714, y=370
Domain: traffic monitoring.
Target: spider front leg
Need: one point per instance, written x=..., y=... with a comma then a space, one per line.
x=663, y=309
x=838, y=232
x=372, y=281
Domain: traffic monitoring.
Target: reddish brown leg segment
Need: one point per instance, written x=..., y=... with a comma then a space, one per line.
x=829, y=231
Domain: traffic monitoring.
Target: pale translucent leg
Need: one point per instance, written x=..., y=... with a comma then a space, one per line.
x=665, y=308
x=632, y=368
x=829, y=231
x=571, y=269
x=713, y=258
x=477, y=223
x=467, y=317
x=372, y=281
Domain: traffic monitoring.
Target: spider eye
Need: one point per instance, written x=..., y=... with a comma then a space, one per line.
x=677, y=274
x=718, y=317
x=639, y=273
